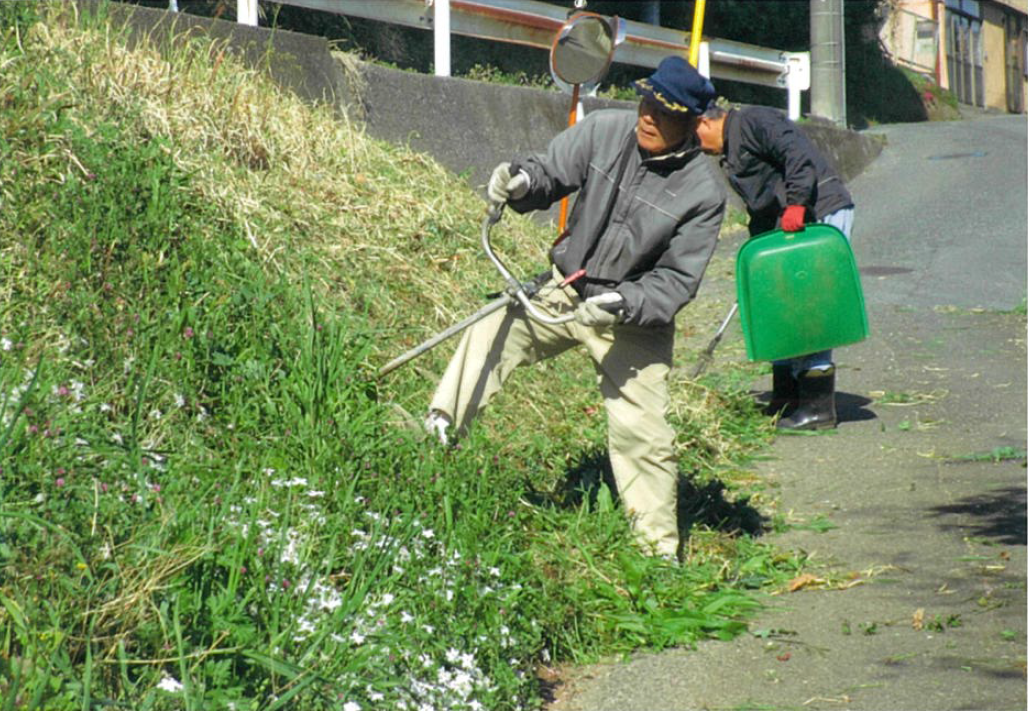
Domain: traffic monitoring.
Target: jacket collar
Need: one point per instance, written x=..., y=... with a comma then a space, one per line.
x=673, y=159
x=728, y=131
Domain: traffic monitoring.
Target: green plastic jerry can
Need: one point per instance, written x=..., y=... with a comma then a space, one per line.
x=799, y=293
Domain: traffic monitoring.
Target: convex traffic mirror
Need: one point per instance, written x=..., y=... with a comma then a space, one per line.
x=583, y=49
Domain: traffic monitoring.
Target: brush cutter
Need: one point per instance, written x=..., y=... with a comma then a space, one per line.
x=515, y=291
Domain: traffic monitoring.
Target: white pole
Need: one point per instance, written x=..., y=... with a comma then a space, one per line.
x=704, y=60
x=441, y=31
x=793, y=88
x=795, y=79
x=246, y=12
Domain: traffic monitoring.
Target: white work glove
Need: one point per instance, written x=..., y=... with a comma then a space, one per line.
x=502, y=186
x=602, y=310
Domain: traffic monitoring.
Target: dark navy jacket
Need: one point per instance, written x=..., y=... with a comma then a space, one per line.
x=771, y=163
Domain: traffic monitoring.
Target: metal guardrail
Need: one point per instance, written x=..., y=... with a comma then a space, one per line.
x=534, y=24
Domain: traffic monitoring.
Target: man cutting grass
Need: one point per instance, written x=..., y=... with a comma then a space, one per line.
x=645, y=222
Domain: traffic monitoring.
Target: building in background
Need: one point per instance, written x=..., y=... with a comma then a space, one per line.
x=975, y=48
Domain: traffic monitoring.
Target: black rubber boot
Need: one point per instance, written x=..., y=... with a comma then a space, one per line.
x=815, y=405
x=784, y=391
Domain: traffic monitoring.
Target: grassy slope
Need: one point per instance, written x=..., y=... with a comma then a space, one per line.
x=202, y=483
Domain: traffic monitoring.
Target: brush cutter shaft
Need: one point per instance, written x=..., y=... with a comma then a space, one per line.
x=453, y=330
x=516, y=290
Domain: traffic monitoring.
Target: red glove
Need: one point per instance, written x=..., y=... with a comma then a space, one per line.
x=792, y=218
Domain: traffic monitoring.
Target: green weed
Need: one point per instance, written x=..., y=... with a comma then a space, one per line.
x=998, y=454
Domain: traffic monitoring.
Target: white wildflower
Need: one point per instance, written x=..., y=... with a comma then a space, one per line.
x=171, y=685
x=6, y=344
x=305, y=628
x=289, y=483
x=291, y=554
x=351, y=706
x=461, y=683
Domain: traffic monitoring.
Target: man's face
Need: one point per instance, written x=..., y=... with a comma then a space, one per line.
x=658, y=130
x=709, y=131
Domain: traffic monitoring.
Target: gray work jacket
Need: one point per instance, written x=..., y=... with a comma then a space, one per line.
x=663, y=226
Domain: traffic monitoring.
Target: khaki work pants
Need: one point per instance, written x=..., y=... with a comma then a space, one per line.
x=632, y=366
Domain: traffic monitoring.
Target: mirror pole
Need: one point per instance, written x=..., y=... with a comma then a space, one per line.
x=572, y=119
x=697, y=32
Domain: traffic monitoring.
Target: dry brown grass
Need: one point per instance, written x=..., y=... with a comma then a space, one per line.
x=377, y=228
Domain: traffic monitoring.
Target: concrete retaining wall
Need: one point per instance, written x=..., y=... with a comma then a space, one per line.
x=468, y=126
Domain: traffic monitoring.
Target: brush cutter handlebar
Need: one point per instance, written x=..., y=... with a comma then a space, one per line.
x=514, y=286
x=516, y=290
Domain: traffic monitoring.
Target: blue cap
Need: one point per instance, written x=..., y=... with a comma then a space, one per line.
x=678, y=87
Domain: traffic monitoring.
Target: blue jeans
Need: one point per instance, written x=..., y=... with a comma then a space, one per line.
x=822, y=360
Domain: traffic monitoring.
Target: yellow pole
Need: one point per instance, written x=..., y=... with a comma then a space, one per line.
x=697, y=32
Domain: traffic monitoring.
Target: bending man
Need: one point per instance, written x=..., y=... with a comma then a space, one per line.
x=785, y=182
x=644, y=225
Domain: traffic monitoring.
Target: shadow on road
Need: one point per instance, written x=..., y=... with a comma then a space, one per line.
x=998, y=515
x=848, y=406
x=853, y=408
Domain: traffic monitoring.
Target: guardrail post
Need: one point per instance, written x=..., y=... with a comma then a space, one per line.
x=704, y=62
x=246, y=12
x=795, y=79
x=441, y=35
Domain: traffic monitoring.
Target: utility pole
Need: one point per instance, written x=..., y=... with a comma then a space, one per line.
x=649, y=12
x=828, y=60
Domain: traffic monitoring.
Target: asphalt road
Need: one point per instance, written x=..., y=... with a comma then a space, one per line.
x=949, y=202
x=927, y=561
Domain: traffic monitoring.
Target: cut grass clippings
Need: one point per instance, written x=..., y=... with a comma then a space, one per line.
x=205, y=501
